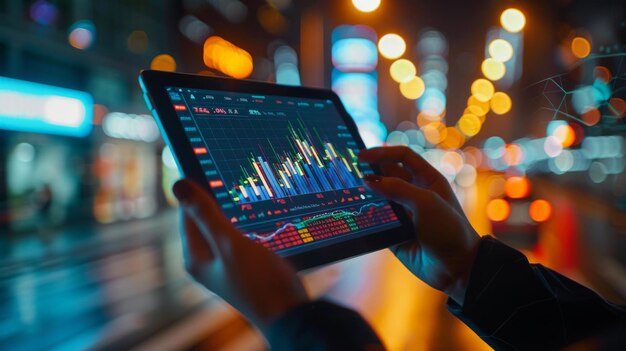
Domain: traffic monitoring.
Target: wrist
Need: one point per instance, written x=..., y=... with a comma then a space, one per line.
x=457, y=289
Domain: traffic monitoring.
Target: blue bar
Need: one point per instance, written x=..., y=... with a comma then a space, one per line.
x=311, y=179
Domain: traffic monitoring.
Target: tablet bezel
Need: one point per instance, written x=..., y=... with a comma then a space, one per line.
x=154, y=83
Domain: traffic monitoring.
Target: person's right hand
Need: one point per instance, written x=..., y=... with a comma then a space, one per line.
x=445, y=246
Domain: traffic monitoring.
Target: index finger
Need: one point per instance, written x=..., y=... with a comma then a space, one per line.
x=413, y=162
x=206, y=213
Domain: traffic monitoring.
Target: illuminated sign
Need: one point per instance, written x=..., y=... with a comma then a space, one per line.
x=39, y=108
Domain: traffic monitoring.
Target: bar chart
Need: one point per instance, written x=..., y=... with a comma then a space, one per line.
x=309, y=165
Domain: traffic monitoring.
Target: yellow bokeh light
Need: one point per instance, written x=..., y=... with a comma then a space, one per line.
x=482, y=90
x=500, y=50
x=163, y=62
x=469, y=125
x=482, y=106
x=581, y=47
x=227, y=58
x=512, y=20
x=500, y=103
x=391, y=46
x=412, y=89
x=366, y=5
x=402, y=71
x=474, y=110
x=493, y=69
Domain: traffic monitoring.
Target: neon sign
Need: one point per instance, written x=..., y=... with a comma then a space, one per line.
x=39, y=108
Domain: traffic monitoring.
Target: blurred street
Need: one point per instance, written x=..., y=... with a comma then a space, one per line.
x=115, y=286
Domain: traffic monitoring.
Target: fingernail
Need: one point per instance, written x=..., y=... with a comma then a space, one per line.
x=372, y=178
x=181, y=190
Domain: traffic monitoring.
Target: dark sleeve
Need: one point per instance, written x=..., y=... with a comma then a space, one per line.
x=322, y=326
x=512, y=304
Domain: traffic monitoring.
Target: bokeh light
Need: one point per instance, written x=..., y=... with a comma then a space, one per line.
x=466, y=176
x=553, y=146
x=482, y=106
x=43, y=12
x=513, y=155
x=540, y=210
x=433, y=102
x=581, y=47
x=397, y=138
x=498, y=210
x=492, y=69
x=469, y=125
x=227, y=58
x=587, y=97
x=512, y=20
x=517, y=187
x=194, y=29
x=500, y=103
x=402, y=70
x=598, y=172
x=412, y=89
x=434, y=132
x=433, y=44
x=500, y=50
x=591, y=117
x=82, y=34
x=494, y=147
x=453, y=140
x=163, y=62
x=451, y=163
x=617, y=106
x=272, y=20
x=482, y=89
x=391, y=46
x=603, y=73
x=565, y=133
x=138, y=42
x=366, y=5
x=355, y=55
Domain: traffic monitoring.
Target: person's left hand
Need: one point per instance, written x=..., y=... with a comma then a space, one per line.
x=254, y=280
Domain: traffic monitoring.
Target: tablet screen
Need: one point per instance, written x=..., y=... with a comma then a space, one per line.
x=284, y=169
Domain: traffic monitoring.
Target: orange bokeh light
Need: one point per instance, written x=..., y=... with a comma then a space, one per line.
x=617, y=106
x=602, y=73
x=517, y=187
x=581, y=47
x=540, y=210
x=591, y=117
x=498, y=210
x=227, y=58
x=454, y=139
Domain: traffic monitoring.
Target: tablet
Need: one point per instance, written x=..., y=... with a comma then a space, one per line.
x=280, y=160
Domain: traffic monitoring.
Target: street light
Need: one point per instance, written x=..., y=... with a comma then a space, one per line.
x=391, y=46
x=366, y=5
